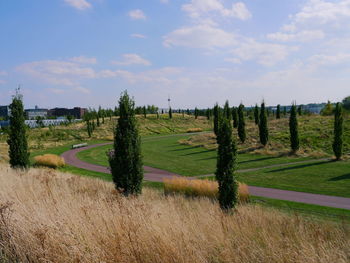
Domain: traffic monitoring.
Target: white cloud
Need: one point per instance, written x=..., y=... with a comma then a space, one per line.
x=82, y=90
x=138, y=36
x=301, y=36
x=137, y=14
x=266, y=54
x=132, y=59
x=56, y=91
x=79, y=4
x=201, y=8
x=329, y=60
x=199, y=36
x=3, y=73
x=84, y=60
x=57, y=72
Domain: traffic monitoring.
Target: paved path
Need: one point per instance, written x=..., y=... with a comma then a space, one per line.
x=157, y=175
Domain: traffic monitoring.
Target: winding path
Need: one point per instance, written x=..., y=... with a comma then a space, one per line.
x=157, y=175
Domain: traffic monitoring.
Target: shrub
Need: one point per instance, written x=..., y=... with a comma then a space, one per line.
x=200, y=188
x=49, y=160
x=194, y=130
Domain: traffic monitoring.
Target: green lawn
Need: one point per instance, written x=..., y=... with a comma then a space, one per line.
x=166, y=153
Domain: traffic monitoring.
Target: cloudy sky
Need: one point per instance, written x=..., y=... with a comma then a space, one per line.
x=86, y=52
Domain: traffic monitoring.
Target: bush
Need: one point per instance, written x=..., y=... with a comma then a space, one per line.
x=194, y=130
x=49, y=160
x=200, y=188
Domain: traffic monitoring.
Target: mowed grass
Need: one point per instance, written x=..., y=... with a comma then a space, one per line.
x=166, y=153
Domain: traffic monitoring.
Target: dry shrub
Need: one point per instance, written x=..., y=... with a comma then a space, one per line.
x=199, y=188
x=194, y=130
x=206, y=140
x=56, y=217
x=49, y=160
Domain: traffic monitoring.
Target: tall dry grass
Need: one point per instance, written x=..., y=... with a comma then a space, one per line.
x=200, y=188
x=49, y=160
x=46, y=216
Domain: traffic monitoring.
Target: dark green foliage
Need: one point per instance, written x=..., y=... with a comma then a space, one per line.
x=278, y=112
x=328, y=109
x=227, y=111
x=338, y=132
x=170, y=113
x=256, y=114
x=196, y=113
x=225, y=167
x=293, y=129
x=300, y=110
x=284, y=111
x=208, y=113
x=216, y=113
x=235, y=117
x=144, y=112
x=241, y=123
x=126, y=161
x=263, y=129
x=17, y=140
x=346, y=103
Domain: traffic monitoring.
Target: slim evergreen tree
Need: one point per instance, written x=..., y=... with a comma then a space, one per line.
x=126, y=162
x=208, y=114
x=293, y=128
x=227, y=111
x=170, y=113
x=17, y=140
x=241, y=123
x=284, y=111
x=300, y=110
x=263, y=129
x=195, y=113
x=338, y=132
x=225, y=167
x=278, y=112
x=144, y=112
x=235, y=117
x=256, y=114
x=216, y=113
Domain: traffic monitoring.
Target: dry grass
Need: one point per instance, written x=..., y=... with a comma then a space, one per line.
x=49, y=160
x=46, y=216
x=201, y=188
x=194, y=130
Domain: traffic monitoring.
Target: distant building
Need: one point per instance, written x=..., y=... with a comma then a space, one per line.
x=76, y=112
x=5, y=112
x=32, y=114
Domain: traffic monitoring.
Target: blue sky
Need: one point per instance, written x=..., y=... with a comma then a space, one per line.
x=86, y=52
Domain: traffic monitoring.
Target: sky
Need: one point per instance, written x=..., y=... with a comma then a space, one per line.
x=67, y=53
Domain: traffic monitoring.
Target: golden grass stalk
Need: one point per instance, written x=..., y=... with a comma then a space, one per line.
x=46, y=216
x=199, y=188
x=49, y=160
x=194, y=130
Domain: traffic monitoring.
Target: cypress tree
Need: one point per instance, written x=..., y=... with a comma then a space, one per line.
x=278, y=112
x=144, y=112
x=208, y=114
x=225, y=167
x=300, y=110
x=170, y=113
x=195, y=113
x=17, y=141
x=227, y=111
x=235, y=117
x=284, y=111
x=263, y=130
x=126, y=162
x=338, y=132
x=293, y=128
x=241, y=123
x=256, y=114
x=216, y=113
